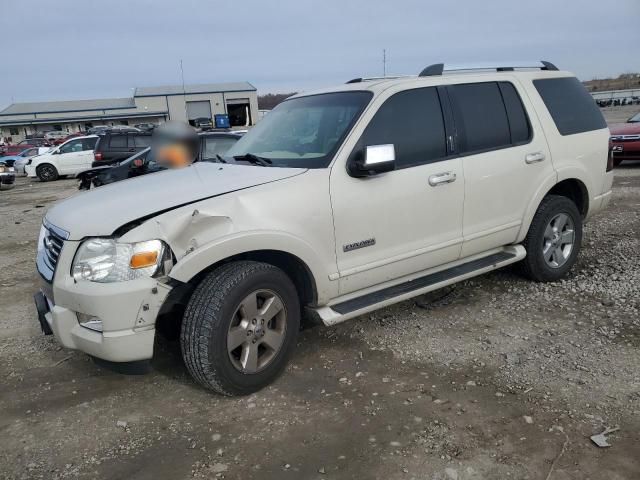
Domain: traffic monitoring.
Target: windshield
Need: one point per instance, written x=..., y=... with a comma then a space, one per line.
x=635, y=118
x=303, y=132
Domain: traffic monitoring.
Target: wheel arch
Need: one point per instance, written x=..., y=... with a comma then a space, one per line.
x=296, y=269
x=576, y=191
x=573, y=188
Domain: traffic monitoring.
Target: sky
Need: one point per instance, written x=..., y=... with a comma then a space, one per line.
x=75, y=49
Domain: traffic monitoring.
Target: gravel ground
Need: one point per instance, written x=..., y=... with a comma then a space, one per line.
x=495, y=378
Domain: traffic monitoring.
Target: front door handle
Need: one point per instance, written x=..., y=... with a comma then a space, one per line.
x=534, y=157
x=442, y=178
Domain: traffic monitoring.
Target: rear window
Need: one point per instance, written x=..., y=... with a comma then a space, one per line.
x=572, y=108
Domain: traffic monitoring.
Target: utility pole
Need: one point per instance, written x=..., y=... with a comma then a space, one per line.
x=184, y=93
x=384, y=62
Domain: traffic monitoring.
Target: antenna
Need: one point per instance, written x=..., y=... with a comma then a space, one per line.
x=384, y=62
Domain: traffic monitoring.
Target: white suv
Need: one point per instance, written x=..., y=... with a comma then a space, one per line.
x=337, y=203
x=72, y=157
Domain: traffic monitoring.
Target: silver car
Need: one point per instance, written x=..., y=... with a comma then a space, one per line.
x=26, y=157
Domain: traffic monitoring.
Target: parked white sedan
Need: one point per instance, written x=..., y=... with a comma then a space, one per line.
x=70, y=158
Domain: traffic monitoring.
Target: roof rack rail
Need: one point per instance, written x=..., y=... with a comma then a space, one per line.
x=439, y=68
x=367, y=79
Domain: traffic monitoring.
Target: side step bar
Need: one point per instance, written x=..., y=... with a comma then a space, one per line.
x=343, y=310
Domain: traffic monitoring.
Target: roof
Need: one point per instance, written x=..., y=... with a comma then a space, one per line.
x=190, y=89
x=69, y=106
x=377, y=85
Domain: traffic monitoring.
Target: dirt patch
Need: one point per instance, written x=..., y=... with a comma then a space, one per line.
x=496, y=378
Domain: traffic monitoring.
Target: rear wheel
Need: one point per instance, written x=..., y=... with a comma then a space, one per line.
x=46, y=172
x=553, y=240
x=240, y=327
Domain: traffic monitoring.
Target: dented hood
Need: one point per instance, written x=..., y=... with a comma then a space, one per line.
x=102, y=211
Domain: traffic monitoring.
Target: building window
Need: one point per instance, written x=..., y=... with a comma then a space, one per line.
x=88, y=125
x=13, y=131
x=57, y=128
x=124, y=122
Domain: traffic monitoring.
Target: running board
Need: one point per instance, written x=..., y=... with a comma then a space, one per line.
x=461, y=270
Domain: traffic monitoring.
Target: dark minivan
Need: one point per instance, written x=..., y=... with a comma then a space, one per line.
x=114, y=146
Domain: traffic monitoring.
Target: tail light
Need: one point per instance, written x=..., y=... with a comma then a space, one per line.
x=97, y=156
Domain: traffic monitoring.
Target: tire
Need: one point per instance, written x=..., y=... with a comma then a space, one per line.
x=559, y=258
x=617, y=161
x=47, y=172
x=216, y=310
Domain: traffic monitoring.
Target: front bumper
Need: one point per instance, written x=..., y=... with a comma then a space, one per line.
x=7, y=180
x=110, y=321
x=629, y=150
x=30, y=170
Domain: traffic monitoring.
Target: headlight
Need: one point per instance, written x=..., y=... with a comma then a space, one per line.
x=41, y=236
x=105, y=260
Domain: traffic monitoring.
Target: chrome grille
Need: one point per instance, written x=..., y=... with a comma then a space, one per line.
x=53, y=244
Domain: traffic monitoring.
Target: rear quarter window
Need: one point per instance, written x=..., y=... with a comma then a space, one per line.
x=118, y=141
x=140, y=141
x=572, y=108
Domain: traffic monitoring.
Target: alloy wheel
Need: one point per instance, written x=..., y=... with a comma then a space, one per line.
x=559, y=238
x=257, y=331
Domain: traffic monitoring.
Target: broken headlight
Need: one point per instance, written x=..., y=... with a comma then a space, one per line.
x=104, y=260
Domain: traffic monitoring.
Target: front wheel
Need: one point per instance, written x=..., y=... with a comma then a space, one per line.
x=46, y=172
x=240, y=327
x=553, y=240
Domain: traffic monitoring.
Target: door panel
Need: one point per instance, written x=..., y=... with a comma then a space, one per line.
x=415, y=226
x=66, y=160
x=511, y=160
x=397, y=223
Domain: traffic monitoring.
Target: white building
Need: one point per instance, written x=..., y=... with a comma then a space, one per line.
x=239, y=100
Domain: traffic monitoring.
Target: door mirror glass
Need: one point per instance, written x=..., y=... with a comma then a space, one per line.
x=375, y=159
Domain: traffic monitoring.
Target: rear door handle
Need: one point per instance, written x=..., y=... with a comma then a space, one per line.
x=534, y=157
x=442, y=178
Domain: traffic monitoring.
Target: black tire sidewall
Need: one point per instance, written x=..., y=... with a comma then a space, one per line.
x=232, y=379
x=552, y=206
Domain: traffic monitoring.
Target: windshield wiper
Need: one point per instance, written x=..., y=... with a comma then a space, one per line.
x=254, y=159
x=220, y=158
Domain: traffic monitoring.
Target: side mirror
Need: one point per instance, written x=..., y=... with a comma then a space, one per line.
x=377, y=159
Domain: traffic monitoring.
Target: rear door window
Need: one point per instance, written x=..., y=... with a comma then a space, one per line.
x=572, y=108
x=412, y=121
x=89, y=143
x=519, y=125
x=480, y=116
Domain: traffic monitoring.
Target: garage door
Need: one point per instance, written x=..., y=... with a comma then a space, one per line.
x=201, y=109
